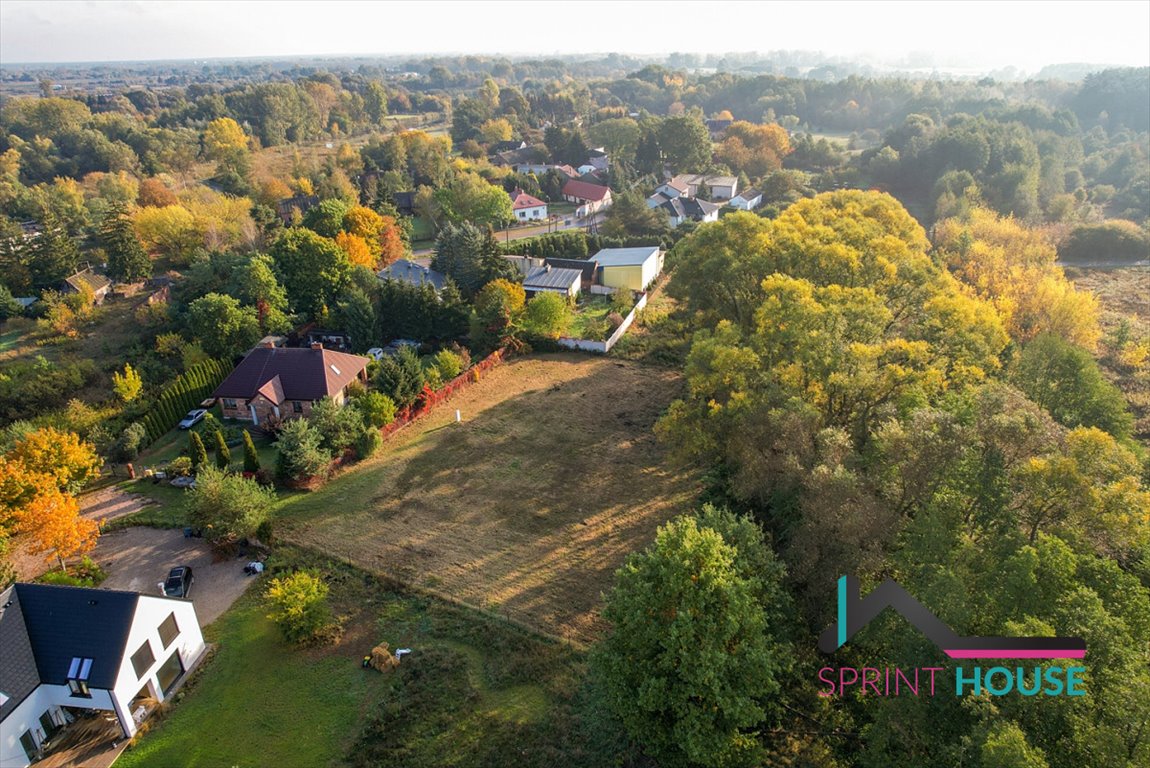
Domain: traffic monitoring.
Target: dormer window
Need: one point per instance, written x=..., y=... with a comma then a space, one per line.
x=78, y=672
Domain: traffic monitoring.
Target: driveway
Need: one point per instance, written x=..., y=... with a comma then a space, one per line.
x=139, y=558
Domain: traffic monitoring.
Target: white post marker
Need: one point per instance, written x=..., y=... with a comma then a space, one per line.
x=458, y=418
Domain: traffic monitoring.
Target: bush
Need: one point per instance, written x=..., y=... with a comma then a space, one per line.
x=337, y=425
x=367, y=443
x=377, y=409
x=87, y=574
x=227, y=507
x=197, y=451
x=449, y=364
x=400, y=377
x=301, y=452
x=299, y=605
x=131, y=442
x=251, y=456
x=264, y=532
x=622, y=301
x=223, y=453
x=181, y=466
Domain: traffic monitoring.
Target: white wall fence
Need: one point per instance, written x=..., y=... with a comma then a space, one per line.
x=602, y=347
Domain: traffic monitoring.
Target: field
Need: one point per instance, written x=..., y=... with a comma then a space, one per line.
x=527, y=507
x=474, y=691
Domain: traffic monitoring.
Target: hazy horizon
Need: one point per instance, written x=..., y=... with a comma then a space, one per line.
x=978, y=36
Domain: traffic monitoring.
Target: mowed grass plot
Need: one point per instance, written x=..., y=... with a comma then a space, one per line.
x=524, y=509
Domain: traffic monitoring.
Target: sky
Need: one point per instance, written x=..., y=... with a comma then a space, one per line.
x=976, y=34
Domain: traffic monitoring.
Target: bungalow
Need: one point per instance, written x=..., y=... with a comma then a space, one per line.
x=597, y=158
x=668, y=190
x=548, y=279
x=629, y=268
x=718, y=187
x=413, y=274
x=527, y=208
x=588, y=268
x=274, y=383
x=67, y=650
x=747, y=200
x=89, y=280
x=689, y=209
x=590, y=198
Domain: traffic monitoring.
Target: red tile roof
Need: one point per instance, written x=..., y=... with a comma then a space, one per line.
x=584, y=191
x=520, y=199
x=291, y=373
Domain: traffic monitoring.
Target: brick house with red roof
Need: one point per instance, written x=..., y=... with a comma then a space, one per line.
x=275, y=383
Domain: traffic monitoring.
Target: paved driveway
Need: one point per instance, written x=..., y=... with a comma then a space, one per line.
x=139, y=558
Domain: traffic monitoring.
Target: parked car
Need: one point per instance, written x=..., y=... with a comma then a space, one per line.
x=193, y=418
x=375, y=353
x=185, y=481
x=179, y=581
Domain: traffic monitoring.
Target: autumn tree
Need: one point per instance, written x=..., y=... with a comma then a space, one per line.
x=222, y=325
x=127, y=385
x=170, y=231
x=314, y=269
x=756, y=150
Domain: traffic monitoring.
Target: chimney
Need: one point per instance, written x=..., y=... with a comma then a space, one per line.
x=268, y=344
x=317, y=345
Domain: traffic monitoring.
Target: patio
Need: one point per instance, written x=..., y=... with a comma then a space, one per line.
x=93, y=741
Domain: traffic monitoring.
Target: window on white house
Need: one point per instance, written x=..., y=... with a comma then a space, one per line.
x=78, y=672
x=169, y=630
x=143, y=659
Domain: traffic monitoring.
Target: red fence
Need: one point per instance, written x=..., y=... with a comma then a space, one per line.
x=430, y=398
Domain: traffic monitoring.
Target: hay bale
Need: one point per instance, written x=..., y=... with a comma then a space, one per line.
x=382, y=658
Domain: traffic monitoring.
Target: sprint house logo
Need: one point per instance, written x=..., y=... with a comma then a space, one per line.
x=855, y=612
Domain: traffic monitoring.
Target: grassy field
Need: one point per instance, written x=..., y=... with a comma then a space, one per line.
x=474, y=691
x=526, y=508
x=591, y=313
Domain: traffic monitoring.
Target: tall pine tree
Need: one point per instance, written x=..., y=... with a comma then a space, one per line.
x=127, y=261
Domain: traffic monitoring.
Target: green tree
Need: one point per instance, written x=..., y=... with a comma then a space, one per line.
x=223, y=327
x=688, y=663
x=251, y=456
x=9, y=307
x=228, y=507
x=197, y=451
x=357, y=318
x=314, y=270
x=223, y=452
x=469, y=198
x=53, y=255
x=255, y=284
x=301, y=453
x=401, y=377
x=377, y=408
x=299, y=605
x=1067, y=382
x=469, y=255
x=338, y=425
x=547, y=315
x=685, y=144
x=326, y=218
x=127, y=261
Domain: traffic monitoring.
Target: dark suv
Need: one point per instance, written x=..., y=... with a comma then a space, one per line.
x=179, y=581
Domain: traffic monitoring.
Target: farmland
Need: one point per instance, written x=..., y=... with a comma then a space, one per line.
x=527, y=507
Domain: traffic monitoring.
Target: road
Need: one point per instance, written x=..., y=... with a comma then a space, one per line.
x=521, y=232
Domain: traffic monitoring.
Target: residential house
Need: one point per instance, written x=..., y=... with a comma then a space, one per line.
x=668, y=190
x=287, y=207
x=540, y=169
x=597, y=158
x=507, y=146
x=527, y=208
x=404, y=202
x=413, y=274
x=310, y=335
x=590, y=198
x=747, y=200
x=99, y=285
x=588, y=269
x=513, y=157
x=549, y=279
x=689, y=209
x=717, y=128
x=273, y=383
x=523, y=264
x=629, y=268
x=717, y=187
x=66, y=650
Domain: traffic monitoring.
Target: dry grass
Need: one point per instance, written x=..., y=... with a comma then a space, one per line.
x=526, y=508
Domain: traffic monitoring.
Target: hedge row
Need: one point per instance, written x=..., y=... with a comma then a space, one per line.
x=182, y=395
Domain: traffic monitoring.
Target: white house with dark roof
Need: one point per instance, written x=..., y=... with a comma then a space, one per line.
x=747, y=200
x=64, y=650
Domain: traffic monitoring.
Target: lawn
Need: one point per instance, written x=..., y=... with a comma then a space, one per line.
x=10, y=339
x=473, y=692
x=527, y=507
x=588, y=317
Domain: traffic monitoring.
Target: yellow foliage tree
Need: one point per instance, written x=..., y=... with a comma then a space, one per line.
x=357, y=250
x=496, y=130
x=223, y=138
x=127, y=386
x=63, y=456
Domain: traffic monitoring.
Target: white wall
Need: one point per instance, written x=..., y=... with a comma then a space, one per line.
x=150, y=613
x=26, y=717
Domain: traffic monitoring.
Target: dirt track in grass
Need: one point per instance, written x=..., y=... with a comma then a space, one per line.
x=526, y=508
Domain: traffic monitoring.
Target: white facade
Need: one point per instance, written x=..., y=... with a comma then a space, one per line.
x=534, y=213
x=746, y=202
x=169, y=664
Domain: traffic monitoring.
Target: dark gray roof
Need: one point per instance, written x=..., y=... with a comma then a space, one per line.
x=64, y=623
x=18, y=675
x=586, y=266
x=551, y=277
x=689, y=207
x=89, y=278
x=749, y=194
x=409, y=272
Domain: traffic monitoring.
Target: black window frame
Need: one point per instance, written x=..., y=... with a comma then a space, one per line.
x=145, y=646
x=167, y=641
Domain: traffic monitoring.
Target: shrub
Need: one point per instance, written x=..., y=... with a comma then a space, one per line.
x=548, y=316
x=251, y=456
x=622, y=301
x=301, y=452
x=197, y=451
x=227, y=507
x=131, y=441
x=223, y=453
x=377, y=409
x=400, y=377
x=181, y=466
x=367, y=443
x=338, y=425
x=449, y=364
x=264, y=532
x=299, y=605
